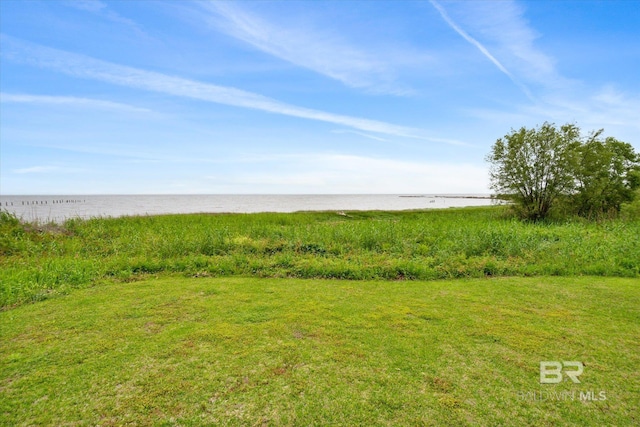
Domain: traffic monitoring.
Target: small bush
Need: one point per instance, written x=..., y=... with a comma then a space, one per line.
x=631, y=211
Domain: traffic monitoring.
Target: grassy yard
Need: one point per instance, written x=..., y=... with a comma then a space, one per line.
x=266, y=351
x=40, y=261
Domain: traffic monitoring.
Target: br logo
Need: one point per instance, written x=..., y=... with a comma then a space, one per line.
x=551, y=371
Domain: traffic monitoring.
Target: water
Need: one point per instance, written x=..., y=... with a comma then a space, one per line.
x=60, y=208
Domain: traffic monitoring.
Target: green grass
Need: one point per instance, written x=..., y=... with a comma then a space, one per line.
x=40, y=261
x=251, y=351
x=203, y=320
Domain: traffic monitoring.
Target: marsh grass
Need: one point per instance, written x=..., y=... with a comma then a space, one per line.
x=285, y=352
x=41, y=260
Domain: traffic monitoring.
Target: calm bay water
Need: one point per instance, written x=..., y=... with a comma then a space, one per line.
x=59, y=208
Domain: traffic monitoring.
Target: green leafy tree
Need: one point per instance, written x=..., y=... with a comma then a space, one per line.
x=542, y=168
x=534, y=167
x=607, y=176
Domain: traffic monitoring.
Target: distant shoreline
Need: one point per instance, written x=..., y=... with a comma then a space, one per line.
x=450, y=197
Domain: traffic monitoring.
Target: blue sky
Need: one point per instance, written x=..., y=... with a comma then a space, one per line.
x=291, y=97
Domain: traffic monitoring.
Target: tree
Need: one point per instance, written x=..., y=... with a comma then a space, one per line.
x=607, y=176
x=538, y=168
x=534, y=167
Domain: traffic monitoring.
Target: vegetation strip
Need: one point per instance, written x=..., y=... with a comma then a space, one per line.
x=40, y=261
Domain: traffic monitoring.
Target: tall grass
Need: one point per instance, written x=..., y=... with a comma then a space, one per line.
x=37, y=261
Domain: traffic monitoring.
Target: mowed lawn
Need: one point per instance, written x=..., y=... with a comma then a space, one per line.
x=265, y=351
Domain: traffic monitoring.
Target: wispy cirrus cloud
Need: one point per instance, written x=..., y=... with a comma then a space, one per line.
x=69, y=101
x=504, y=27
x=465, y=35
x=319, y=50
x=100, y=8
x=509, y=42
x=94, y=6
x=508, y=39
x=85, y=67
x=365, y=135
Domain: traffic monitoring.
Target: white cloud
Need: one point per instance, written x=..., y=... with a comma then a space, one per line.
x=89, y=68
x=609, y=108
x=351, y=174
x=46, y=169
x=319, y=50
x=69, y=101
x=605, y=107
